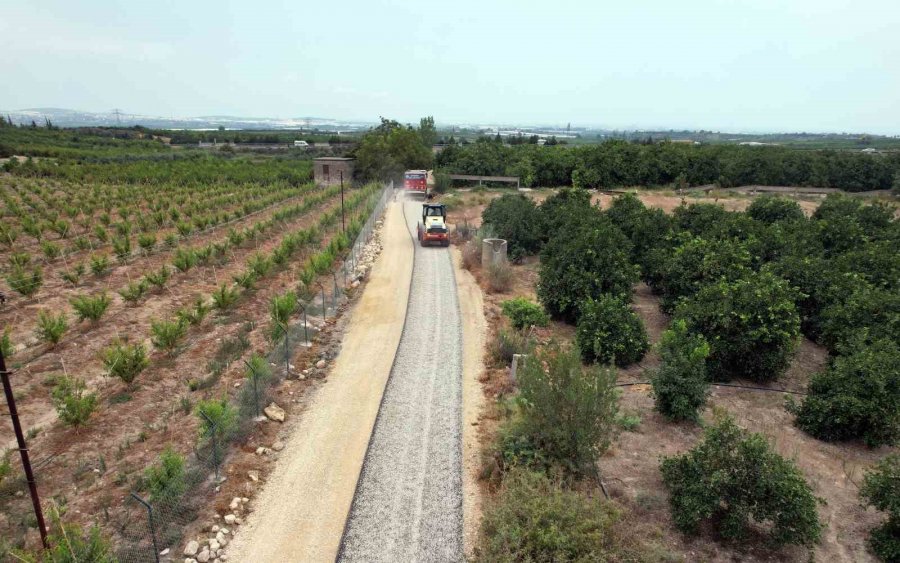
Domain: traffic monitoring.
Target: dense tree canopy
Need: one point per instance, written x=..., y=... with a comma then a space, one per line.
x=618, y=163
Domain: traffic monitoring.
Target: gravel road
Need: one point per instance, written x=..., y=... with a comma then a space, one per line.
x=408, y=501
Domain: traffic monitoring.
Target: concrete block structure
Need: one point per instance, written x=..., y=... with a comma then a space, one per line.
x=327, y=170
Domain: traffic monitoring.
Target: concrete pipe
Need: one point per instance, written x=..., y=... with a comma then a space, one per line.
x=493, y=251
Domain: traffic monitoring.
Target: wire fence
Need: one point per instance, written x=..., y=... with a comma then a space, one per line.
x=150, y=528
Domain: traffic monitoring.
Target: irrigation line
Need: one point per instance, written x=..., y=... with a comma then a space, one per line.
x=733, y=385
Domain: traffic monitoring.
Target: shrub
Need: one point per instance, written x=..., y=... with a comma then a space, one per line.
x=25, y=281
x=50, y=249
x=771, y=209
x=698, y=262
x=6, y=345
x=698, y=218
x=69, y=544
x=122, y=248
x=857, y=396
x=881, y=489
x=100, y=265
x=733, y=477
x=90, y=307
x=442, y=182
x=184, y=260
x=134, y=291
x=166, y=479
x=507, y=344
x=867, y=310
x=568, y=411
x=609, y=332
x=166, y=335
x=72, y=404
x=536, y=519
x=513, y=217
x=216, y=417
x=499, y=277
x=680, y=386
x=159, y=278
x=146, y=241
x=590, y=258
x=751, y=325
x=259, y=264
x=281, y=307
x=50, y=327
x=125, y=361
x=224, y=297
x=523, y=313
x=194, y=315
x=568, y=206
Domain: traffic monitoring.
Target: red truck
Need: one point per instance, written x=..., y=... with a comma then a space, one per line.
x=416, y=181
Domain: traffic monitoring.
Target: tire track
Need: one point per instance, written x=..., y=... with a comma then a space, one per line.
x=408, y=501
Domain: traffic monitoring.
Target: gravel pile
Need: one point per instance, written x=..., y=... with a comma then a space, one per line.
x=408, y=502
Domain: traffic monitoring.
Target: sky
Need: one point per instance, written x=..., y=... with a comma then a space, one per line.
x=725, y=65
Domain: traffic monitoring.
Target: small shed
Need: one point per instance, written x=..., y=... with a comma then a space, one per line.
x=328, y=170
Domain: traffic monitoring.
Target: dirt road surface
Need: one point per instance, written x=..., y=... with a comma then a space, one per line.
x=300, y=513
x=409, y=500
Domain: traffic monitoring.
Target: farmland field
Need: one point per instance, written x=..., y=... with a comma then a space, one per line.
x=110, y=246
x=678, y=252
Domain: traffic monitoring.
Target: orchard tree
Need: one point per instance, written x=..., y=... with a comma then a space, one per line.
x=609, y=332
x=856, y=397
x=590, y=259
x=751, y=324
x=732, y=478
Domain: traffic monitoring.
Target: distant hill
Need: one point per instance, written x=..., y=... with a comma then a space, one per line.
x=73, y=118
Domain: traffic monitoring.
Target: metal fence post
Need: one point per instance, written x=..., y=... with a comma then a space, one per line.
x=214, y=439
x=152, y=525
x=23, y=451
x=253, y=378
x=305, y=330
x=287, y=349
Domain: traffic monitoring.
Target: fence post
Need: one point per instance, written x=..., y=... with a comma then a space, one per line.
x=23, y=451
x=324, y=303
x=305, y=330
x=152, y=525
x=214, y=439
x=253, y=378
x=287, y=349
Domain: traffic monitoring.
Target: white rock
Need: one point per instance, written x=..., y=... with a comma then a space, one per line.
x=223, y=557
x=164, y=552
x=320, y=364
x=191, y=548
x=245, y=499
x=214, y=545
x=238, y=521
x=220, y=537
x=230, y=519
x=235, y=503
x=190, y=560
x=204, y=556
x=237, y=384
x=274, y=412
x=215, y=528
x=254, y=475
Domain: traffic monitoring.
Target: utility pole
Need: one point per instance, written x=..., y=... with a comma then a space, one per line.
x=343, y=221
x=23, y=451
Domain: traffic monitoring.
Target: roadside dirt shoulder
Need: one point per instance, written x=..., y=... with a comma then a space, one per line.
x=300, y=513
x=474, y=327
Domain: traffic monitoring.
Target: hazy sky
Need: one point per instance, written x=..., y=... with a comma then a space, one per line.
x=739, y=65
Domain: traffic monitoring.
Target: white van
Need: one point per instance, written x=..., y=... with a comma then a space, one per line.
x=302, y=144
